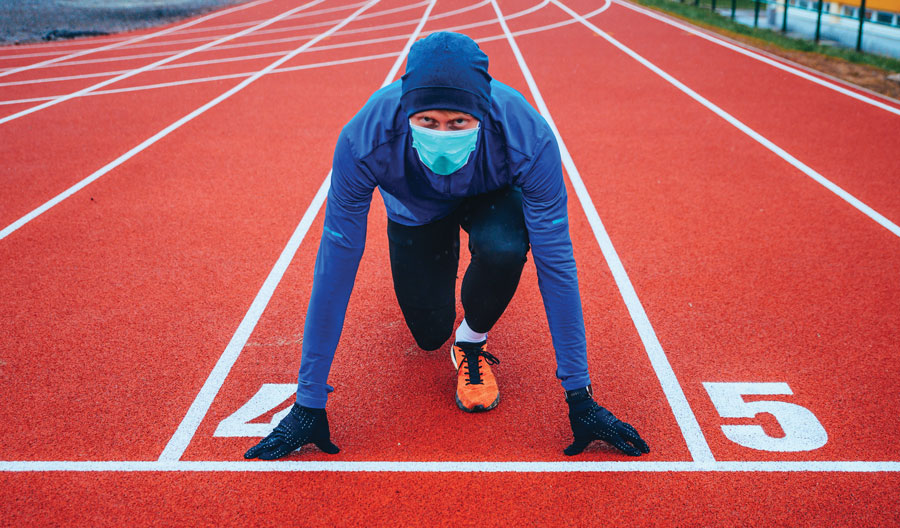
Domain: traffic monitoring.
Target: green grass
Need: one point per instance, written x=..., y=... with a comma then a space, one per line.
x=704, y=15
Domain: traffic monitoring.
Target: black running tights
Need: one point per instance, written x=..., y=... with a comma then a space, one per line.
x=424, y=262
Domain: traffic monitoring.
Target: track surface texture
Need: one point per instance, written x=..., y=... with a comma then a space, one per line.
x=734, y=222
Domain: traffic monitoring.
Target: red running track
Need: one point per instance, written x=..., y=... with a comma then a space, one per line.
x=136, y=322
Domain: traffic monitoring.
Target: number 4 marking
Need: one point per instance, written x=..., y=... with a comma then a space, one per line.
x=269, y=396
x=802, y=430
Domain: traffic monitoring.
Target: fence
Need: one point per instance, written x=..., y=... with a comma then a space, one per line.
x=860, y=16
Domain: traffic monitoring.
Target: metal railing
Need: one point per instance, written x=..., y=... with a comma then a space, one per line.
x=860, y=14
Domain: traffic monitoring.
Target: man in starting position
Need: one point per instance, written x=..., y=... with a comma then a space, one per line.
x=449, y=148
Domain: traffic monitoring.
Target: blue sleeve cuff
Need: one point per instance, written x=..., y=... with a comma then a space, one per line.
x=313, y=395
x=575, y=382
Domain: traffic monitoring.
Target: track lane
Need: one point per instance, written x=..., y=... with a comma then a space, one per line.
x=687, y=423
x=73, y=73
x=358, y=58
x=136, y=62
x=56, y=148
x=740, y=279
x=838, y=85
x=154, y=306
x=378, y=366
x=218, y=55
x=233, y=37
x=38, y=63
x=287, y=32
x=21, y=172
x=156, y=137
x=131, y=41
x=56, y=48
x=199, y=409
x=241, y=75
x=794, y=113
x=382, y=499
x=109, y=258
x=339, y=46
x=364, y=498
x=287, y=40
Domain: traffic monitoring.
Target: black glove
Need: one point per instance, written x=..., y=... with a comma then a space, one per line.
x=591, y=422
x=303, y=425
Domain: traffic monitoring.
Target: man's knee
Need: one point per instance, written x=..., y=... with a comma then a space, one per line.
x=431, y=342
x=431, y=328
x=502, y=254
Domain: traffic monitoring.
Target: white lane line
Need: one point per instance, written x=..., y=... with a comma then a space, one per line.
x=166, y=131
x=288, y=69
x=132, y=41
x=295, y=38
x=778, y=151
x=827, y=466
x=198, y=409
x=762, y=58
x=171, y=58
x=690, y=429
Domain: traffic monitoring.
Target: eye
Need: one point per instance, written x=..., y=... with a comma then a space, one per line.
x=427, y=122
x=459, y=123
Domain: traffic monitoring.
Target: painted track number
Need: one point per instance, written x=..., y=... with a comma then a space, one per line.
x=802, y=430
x=269, y=396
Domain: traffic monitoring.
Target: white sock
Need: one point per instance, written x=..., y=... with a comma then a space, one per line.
x=467, y=335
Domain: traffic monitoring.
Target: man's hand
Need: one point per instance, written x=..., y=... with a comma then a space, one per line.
x=303, y=425
x=592, y=422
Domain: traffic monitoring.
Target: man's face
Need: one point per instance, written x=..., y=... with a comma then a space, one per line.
x=443, y=120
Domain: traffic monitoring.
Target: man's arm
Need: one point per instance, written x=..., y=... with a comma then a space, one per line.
x=546, y=217
x=340, y=250
x=337, y=261
x=544, y=199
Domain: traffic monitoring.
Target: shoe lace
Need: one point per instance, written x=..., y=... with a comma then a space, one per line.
x=473, y=355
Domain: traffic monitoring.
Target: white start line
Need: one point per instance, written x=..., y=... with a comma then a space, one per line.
x=455, y=467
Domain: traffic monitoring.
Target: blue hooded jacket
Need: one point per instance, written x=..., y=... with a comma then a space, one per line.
x=515, y=147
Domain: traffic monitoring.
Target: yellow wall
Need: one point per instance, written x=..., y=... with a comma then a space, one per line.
x=879, y=5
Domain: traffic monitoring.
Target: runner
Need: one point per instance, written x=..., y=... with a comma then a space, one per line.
x=448, y=147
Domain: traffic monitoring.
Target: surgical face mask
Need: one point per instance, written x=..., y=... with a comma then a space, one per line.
x=444, y=152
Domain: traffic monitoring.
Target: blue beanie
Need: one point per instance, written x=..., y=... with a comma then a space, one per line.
x=446, y=71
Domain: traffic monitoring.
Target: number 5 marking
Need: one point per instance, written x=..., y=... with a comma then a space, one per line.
x=269, y=396
x=802, y=430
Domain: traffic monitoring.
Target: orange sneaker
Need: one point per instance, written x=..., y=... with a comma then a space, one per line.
x=476, y=386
